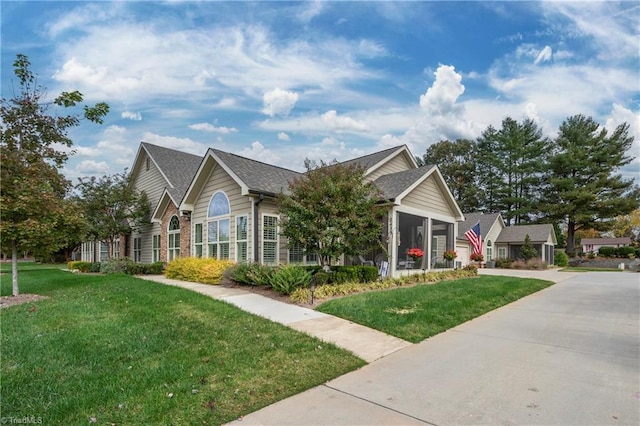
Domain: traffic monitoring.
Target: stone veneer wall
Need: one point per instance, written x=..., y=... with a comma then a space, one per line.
x=185, y=233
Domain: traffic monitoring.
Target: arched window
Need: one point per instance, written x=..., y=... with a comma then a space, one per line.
x=218, y=226
x=173, y=246
x=489, y=250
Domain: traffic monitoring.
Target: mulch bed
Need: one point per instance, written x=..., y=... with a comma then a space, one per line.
x=6, y=301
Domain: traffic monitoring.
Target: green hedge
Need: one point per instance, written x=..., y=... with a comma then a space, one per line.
x=117, y=266
x=624, y=251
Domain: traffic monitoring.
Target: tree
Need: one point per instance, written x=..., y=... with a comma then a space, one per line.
x=627, y=225
x=584, y=188
x=331, y=211
x=456, y=161
x=527, y=251
x=112, y=206
x=511, y=162
x=32, y=189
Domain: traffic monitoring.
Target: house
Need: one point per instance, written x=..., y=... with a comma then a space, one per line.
x=593, y=244
x=224, y=206
x=164, y=175
x=504, y=242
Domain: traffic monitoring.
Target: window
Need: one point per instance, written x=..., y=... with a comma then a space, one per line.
x=173, y=235
x=137, y=249
x=296, y=255
x=156, y=248
x=104, y=251
x=502, y=252
x=241, y=238
x=269, y=240
x=116, y=249
x=218, y=226
x=489, y=250
x=197, y=238
x=146, y=164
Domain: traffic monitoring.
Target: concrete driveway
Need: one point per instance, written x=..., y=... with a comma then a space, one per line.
x=569, y=354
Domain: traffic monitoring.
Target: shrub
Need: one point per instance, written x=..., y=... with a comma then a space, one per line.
x=625, y=251
x=127, y=266
x=470, y=268
x=95, y=267
x=79, y=265
x=560, y=258
x=503, y=263
x=260, y=274
x=638, y=252
x=200, y=270
x=536, y=263
x=241, y=272
x=287, y=278
x=607, y=251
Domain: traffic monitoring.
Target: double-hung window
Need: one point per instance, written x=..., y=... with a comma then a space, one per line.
x=218, y=226
x=197, y=238
x=269, y=240
x=137, y=249
x=241, y=238
x=156, y=248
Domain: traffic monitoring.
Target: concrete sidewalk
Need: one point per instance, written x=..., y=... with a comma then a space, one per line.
x=364, y=342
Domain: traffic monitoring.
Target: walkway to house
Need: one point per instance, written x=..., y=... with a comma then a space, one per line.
x=364, y=342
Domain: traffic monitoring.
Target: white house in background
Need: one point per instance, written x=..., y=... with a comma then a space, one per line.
x=504, y=242
x=593, y=244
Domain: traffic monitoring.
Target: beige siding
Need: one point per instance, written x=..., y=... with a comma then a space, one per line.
x=240, y=205
x=428, y=197
x=396, y=164
x=153, y=184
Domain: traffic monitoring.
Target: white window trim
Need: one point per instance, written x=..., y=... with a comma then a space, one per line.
x=174, y=233
x=218, y=219
x=277, y=240
x=155, y=249
x=245, y=240
x=195, y=242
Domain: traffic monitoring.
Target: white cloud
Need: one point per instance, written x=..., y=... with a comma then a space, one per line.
x=283, y=136
x=208, y=127
x=135, y=116
x=441, y=97
x=311, y=9
x=333, y=121
x=258, y=152
x=91, y=167
x=181, y=144
x=545, y=55
x=279, y=102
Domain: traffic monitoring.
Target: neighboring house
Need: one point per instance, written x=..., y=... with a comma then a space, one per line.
x=491, y=224
x=224, y=206
x=504, y=242
x=593, y=244
x=232, y=205
x=164, y=175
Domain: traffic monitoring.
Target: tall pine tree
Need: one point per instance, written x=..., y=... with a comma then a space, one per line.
x=584, y=187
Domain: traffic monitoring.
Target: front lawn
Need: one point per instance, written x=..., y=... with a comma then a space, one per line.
x=119, y=350
x=415, y=313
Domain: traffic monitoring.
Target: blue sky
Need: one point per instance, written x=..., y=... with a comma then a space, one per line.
x=283, y=81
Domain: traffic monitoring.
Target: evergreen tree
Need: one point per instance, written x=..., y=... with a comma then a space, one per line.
x=527, y=251
x=584, y=188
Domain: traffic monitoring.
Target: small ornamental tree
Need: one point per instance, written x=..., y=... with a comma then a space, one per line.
x=527, y=251
x=33, y=192
x=112, y=206
x=331, y=211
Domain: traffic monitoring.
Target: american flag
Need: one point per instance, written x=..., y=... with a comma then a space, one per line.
x=475, y=238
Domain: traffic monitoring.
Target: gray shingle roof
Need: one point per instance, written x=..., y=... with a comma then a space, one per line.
x=394, y=184
x=179, y=168
x=258, y=176
x=606, y=241
x=486, y=222
x=516, y=234
x=370, y=160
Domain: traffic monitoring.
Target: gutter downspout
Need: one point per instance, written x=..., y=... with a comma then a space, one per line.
x=256, y=228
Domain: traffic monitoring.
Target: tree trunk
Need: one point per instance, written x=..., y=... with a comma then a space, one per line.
x=14, y=268
x=570, y=237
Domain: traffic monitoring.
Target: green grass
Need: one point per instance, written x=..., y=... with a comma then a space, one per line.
x=415, y=313
x=122, y=350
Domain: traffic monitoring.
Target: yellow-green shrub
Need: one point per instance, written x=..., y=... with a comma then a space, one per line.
x=199, y=270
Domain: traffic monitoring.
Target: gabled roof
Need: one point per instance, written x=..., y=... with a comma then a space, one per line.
x=537, y=234
x=255, y=176
x=486, y=220
x=370, y=162
x=606, y=241
x=395, y=184
x=177, y=167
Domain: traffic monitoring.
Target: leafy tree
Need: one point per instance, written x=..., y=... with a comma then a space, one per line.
x=584, y=188
x=112, y=206
x=527, y=251
x=331, y=211
x=32, y=189
x=457, y=164
x=559, y=235
x=627, y=225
